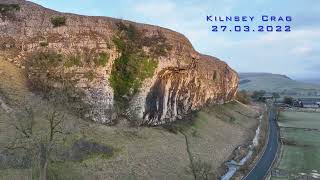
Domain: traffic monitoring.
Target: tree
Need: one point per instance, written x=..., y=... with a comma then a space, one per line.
x=288, y=100
x=258, y=95
x=275, y=95
x=32, y=137
x=202, y=170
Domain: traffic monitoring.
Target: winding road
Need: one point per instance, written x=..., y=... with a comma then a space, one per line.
x=261, y=169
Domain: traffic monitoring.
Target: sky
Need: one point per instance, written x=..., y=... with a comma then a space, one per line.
x=295, y=53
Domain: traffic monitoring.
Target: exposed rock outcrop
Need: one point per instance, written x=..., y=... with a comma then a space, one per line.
x=150, y=74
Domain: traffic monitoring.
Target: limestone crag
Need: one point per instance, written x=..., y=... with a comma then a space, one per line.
x=150, y=74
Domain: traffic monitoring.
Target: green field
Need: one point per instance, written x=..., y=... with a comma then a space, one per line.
x=299, y=119
x=301, y=144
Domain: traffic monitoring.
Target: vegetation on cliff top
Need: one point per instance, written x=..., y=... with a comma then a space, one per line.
x=9, y=7
x=7, y=11
x=102, y=59
x=46, y=72
x=58, y=21
x=134, y=64
x=44, y=60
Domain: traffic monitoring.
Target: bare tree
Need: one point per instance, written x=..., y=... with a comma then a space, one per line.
x=38, y=137
x=202, y=170
x=54, y=120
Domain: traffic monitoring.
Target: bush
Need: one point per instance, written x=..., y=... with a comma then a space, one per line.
x=90, y=75
x=128, y=73
x=103, y=59
x=42, y=69
x=44, y=44
x=133, y=66
x=275, y=95
x=258, y=95
x=7, y=11
x=58, y=21
x=73, y=60
x=4, y=8
x=288, y=100
x=43, y=60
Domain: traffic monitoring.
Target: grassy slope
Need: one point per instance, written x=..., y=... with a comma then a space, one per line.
x=13, y=83
x=303, y=156
x=144, y=153
x=274, y=83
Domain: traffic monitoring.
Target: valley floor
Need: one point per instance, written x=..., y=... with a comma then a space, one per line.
x=300, y=135
x=137, y=152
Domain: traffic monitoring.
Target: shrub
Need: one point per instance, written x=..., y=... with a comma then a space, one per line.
x=288, y=100
x=103, y=59
x=136, y=40
x=44, y=59
x=133, y=66
x=58, y=21
x=4, y=8
x=74, y=60
x=258, y=95
x=128, y=73
x=275, y=95
x=42, y=69
x=44, y=44
x=90, y=75
x=7, y=11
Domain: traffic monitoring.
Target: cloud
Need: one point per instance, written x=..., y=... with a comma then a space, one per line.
x=307, y=20
x=284, y=53
x=314, y=67
x=302, y=50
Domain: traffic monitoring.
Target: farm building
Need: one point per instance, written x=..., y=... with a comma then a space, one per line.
x=309, y=102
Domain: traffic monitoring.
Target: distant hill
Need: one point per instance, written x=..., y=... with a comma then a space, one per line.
x=277, y=83
x=312, y=81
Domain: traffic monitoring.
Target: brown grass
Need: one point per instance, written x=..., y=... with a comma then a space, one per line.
x=142, y=152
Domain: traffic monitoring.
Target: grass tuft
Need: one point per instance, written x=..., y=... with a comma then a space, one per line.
x=74, y=60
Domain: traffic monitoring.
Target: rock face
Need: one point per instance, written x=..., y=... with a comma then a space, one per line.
x=151, y=75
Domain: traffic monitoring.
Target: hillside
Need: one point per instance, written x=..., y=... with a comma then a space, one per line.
x=112, y=68
x=64, y=77
x=310, y=80
x=276, y=83
x=98, y=152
